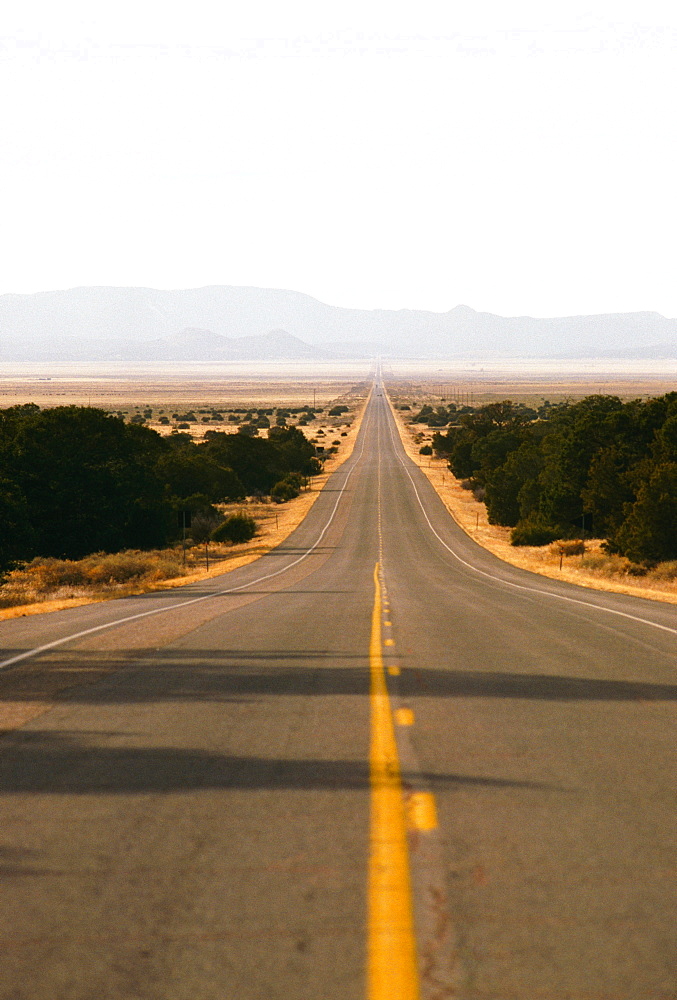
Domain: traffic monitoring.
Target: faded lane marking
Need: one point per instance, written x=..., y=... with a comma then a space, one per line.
x=392, y=972
x=422, y=811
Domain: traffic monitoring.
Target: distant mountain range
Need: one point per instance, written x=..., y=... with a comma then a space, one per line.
x=227, y=323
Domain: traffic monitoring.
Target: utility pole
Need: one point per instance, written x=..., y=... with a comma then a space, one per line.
x=184, y=522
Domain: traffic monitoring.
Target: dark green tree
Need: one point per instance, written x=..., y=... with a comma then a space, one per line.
x=512, y=490
x=89, y=482
x=649, y=531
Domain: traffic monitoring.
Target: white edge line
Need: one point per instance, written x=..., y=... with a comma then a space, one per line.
x=508, y=583
x=4, y=664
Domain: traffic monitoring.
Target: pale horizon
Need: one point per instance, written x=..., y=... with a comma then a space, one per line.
x=519, y=160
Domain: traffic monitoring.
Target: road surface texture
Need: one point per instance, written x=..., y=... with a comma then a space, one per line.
x=377, y=763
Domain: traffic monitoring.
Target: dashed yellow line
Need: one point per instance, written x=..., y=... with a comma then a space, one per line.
x=392, y=965
x=422, y=811
x=404, y=717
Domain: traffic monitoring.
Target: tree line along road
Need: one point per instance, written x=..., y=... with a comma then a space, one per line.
x=377, y=763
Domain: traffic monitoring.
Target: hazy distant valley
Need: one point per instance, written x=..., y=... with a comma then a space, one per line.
x=227, y=323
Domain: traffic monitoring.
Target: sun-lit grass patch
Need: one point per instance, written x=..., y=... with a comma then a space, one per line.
x=48, y=579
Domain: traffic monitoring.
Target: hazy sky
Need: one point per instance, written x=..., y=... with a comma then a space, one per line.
x=516, y=156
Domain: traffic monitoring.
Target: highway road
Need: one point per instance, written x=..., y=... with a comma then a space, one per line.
x=378, y=763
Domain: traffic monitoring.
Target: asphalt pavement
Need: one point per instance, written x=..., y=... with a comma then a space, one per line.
x=377, y=763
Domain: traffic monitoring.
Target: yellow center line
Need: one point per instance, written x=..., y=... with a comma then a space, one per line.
x=392, y=972
x=422, y=811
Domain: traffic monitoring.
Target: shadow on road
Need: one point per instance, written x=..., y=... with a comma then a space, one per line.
x=541, y=687
x=73, y=764
x=227, y=675
x=17, y=861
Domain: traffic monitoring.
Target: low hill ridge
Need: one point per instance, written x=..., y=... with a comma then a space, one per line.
x=222, y=322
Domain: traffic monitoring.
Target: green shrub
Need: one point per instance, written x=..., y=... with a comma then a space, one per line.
x=425, y=450
x=236, y=528
x=533, y=531
x=287, y=488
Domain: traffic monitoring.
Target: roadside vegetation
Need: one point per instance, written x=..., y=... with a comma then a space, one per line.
x=91, y=503
x=102, y=573
x=585, y=490
x=598, y=467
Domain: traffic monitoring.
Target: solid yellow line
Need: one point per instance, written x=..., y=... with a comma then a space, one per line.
x=392, y=972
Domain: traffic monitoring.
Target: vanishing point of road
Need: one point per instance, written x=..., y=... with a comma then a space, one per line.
x=376, y=764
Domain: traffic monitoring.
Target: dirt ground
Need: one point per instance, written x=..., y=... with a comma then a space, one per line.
x=475, y=387
x=181, y=387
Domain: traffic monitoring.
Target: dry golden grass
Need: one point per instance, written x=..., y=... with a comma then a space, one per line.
x=56, y=584
x=127, y=394
x=184, y=387
x=432, y=382
x=322, y=425
x=594, y=569
x=48, y=584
